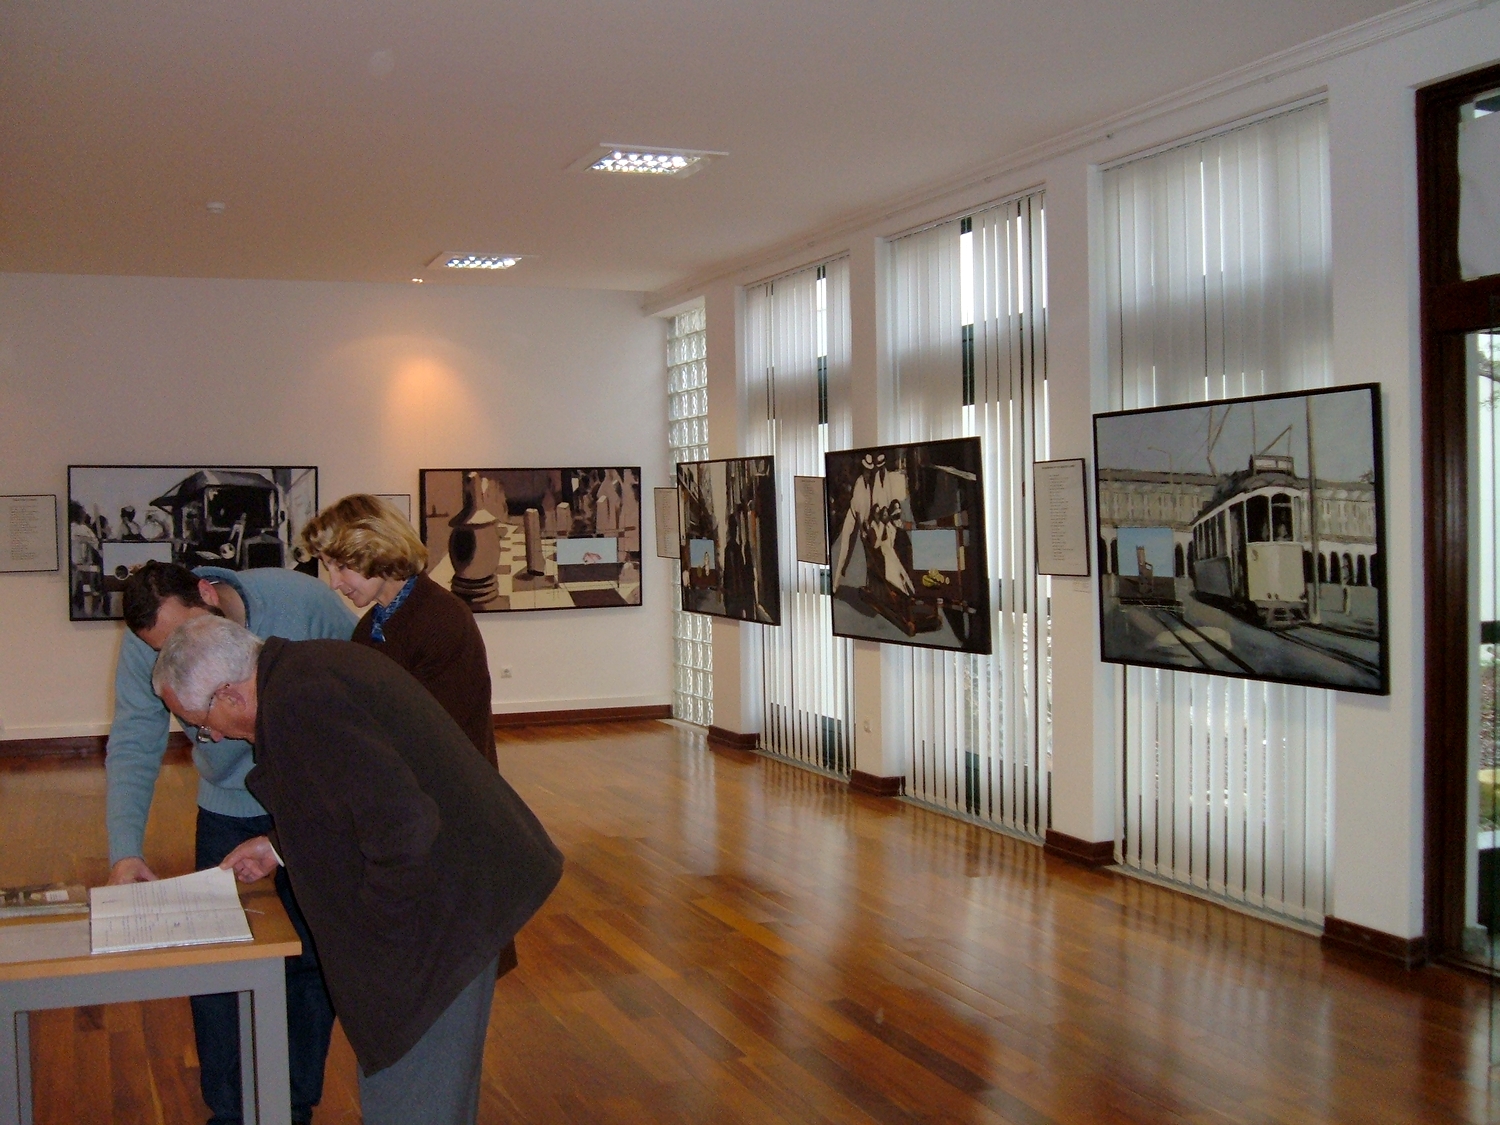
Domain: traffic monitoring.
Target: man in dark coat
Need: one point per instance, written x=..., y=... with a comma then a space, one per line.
x=415, y=863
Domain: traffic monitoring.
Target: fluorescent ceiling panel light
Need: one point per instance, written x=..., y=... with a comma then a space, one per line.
x=643, y=160
x=463, y=260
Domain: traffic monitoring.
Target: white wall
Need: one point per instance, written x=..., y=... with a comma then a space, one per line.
x=368, y=382
x=1369, y=77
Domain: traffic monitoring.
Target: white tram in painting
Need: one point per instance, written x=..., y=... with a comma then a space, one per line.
x=1251, y=548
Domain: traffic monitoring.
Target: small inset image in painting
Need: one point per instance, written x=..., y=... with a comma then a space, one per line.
x=1244, y=538
x=120, y=516
x=729, y=545
x=513, y=539
x=906, y=528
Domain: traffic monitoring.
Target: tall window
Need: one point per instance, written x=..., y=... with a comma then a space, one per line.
x=968, y=345
x=687, y=440
x=796, y=377
x=1218, y=284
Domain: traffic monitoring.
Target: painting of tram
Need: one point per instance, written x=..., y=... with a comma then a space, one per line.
x=1244, y=537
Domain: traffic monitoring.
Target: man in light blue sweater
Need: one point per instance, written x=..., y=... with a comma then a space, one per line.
x=269, y=602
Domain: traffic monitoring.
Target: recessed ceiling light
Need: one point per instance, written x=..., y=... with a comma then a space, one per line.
x=216, y=208
x=463, y=260
x=416, y=281
x=643, y=160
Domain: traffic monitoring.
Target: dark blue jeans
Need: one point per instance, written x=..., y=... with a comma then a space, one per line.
x=216, y=1019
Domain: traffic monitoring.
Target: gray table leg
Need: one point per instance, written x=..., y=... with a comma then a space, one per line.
x=23, y=1064
x=12, y=1075
x=248, y=1101
x=272, y=1080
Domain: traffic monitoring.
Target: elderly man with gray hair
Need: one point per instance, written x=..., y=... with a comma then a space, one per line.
x=414, y=862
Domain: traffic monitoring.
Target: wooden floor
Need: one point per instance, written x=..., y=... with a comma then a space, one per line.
x=736, y=940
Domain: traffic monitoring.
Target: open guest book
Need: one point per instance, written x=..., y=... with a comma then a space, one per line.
x=198, y=909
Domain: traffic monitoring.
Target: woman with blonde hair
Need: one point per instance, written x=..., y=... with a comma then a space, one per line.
x=374, y=557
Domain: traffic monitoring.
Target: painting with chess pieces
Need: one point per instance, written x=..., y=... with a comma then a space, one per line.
x=517, y=539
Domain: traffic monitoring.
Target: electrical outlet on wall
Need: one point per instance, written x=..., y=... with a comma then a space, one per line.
x=866, y=726
x=505, y=672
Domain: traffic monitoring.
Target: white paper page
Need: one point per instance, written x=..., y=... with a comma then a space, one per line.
x=197, y=909
x=212, y=889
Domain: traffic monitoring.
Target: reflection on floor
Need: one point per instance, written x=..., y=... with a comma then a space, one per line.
x=736, y=940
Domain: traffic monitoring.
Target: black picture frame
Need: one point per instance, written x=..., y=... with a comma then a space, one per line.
x=1216, y=556
x=916, y=510
x=238, y=517
x=728, y=534
x=484, y=546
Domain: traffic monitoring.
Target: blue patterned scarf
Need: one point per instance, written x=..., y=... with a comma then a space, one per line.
x=382, y=613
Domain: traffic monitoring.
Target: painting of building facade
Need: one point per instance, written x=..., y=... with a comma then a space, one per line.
x=1245, y=538
x=728, y=535
x=906, y=528
x=120, y=516
x=517, y=539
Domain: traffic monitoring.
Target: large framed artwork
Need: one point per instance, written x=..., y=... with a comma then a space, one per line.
x=237, y=517
x=517, y=539
x=1246, y=537
x=727, y=517
x=906, y=525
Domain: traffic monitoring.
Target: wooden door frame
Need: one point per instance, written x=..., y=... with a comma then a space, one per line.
x=1451, y=307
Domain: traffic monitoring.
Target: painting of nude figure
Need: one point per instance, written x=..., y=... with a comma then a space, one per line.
x=906, y=525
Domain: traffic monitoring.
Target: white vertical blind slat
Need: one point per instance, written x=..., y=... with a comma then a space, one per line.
x=796, y=358
x=979, y=726
x=1218, y=285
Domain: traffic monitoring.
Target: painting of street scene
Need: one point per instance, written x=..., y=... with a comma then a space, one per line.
x=120, y=516
x=906, y=524
x=727, y=513
x=1245, y=537
x=517, y=539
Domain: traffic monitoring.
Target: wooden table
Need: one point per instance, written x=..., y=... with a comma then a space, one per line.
x=66, y=975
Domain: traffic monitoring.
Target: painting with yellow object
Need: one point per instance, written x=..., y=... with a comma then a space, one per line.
x=1245, y=537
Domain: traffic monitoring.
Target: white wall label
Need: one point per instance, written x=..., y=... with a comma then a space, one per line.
x=28, y=534
x=812, y=520
x=1062, y=525
x=668, y=535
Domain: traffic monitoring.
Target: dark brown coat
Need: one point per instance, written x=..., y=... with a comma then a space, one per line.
x=414, y=862
x=434, y=636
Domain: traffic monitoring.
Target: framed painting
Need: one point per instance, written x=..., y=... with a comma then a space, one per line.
x=235, y=517
x=1246, y=537
x=727, y=522
x=518, y=539
x=907, y=533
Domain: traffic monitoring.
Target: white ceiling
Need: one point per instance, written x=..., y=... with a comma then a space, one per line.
x=356, y=140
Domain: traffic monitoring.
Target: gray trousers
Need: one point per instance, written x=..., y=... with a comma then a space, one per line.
x=437, y=1081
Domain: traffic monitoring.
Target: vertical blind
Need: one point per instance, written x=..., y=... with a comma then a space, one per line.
x=968, y=351
x=797, y=388
x=687, y=440
x=1218, y=267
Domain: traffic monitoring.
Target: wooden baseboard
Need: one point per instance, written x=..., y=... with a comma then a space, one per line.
x=1089, y=853
x=83, y=746
x=735, y=740
x=583, y=715
x=875, y=785
x=78, y=746
x=1407, y=952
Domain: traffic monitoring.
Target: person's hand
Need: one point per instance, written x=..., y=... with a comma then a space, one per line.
x=252, y=860
x=131, y=869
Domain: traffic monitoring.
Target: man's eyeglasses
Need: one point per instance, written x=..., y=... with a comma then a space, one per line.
x=204, y=734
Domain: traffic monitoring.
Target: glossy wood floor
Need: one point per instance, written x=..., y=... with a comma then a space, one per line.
x=736, y=940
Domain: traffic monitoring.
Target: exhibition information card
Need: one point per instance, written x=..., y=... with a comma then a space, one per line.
x=28, y=534
x=1062, y=533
